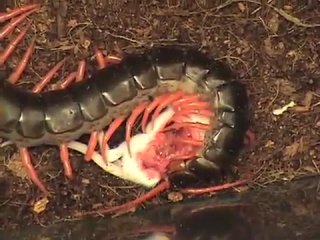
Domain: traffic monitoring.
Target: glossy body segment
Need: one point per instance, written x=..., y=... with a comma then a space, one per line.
x=90, y=105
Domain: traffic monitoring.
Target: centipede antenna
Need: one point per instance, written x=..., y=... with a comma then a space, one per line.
x=9, y=27
x=26, y=161
x=65, y=159
x=48, y=77
x=15, y=75
x=15, y=12
x=131, y=121
x=12, y=45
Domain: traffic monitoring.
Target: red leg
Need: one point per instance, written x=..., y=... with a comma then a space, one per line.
x=112, y=128
x=250, y=138
x=112, y=60
x=26, y=161
x=165, y=102
x=48, y=77
x=13, y=78
x=81, y=71
x=199, y=191
x=131, y=121
x=64, y=156
x=185, y=100
x=100, y=59
x=67, y=81
x=133, y=204
x=15, y=12
x=12, y=46
x=187, y=124
x=149, y=109
x=7, y=29
x=93, y=142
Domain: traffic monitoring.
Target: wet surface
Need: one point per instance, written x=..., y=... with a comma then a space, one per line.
x=273, y=48
x=280, y=211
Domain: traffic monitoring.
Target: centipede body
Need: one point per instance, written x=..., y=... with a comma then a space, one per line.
x=60, y=116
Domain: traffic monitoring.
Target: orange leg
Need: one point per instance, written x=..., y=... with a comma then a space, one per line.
x=64, y=156
x=149, y=110
x=13, y=45
x=26, y=161
x=67, y=81
x=178, y=125
x=81, y=71
x=7, y=29
x=199, y=191
x=15, y=75
x=130, y=123
x=112, y=128
x=166, y=102
x=48, y=77
x=93, y=141
x=15, y=12
x=133, y=204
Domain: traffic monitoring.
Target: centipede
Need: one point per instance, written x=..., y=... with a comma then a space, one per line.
x=192, y=112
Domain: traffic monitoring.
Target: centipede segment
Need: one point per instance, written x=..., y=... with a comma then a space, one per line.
x=185, y=116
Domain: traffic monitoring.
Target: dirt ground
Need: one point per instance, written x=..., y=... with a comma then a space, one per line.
x=273, y=47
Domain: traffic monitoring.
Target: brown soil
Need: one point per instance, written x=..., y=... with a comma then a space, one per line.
x=274, y=49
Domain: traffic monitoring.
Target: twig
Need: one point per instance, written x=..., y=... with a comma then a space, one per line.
x=293, y=19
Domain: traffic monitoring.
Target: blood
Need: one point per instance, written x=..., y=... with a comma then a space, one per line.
x=166, y=147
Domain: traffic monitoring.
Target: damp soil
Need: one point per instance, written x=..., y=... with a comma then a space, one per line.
x=273, y=48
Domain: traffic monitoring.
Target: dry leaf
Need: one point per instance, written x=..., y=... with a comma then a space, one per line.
x=286, y=87
x=293, y=19
x=307, y=101
x=40, y=205
x=72, y=23
x=295, y=148
x=273, y=23
x=241, y=7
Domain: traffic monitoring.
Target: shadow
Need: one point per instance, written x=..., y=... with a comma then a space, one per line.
x=282, y=211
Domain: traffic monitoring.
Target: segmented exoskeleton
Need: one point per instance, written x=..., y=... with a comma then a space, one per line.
x=167, y=75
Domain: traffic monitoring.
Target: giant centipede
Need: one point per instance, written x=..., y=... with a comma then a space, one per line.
x=185, y=98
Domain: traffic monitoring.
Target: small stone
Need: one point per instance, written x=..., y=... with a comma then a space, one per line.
x=175, y=196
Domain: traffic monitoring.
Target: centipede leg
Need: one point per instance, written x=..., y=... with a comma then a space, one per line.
x=26, y=161
x=48, y=77
x=133, y=204
x=149, y=110
x=65, y=159
x=112, y=128
x=165, y=102
x=13, y=45
x=200, y=191
x=15, y=75
x=93, y=141
x=7, y=29
x=15, y=12
x=130, y=123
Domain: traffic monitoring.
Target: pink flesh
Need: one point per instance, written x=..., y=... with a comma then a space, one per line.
x=165, y=148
